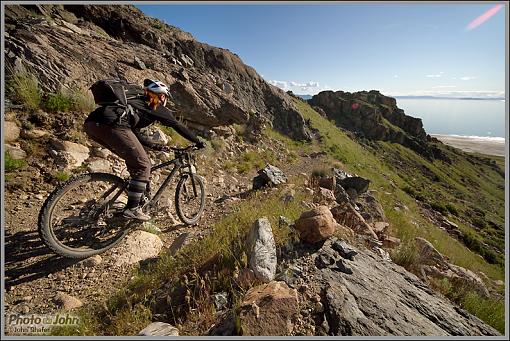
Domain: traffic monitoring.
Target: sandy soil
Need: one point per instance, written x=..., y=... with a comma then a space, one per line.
x=474, y=145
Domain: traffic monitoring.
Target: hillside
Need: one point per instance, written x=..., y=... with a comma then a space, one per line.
x=414, y=247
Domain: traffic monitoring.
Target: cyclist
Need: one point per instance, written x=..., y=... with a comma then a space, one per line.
x=120, y=133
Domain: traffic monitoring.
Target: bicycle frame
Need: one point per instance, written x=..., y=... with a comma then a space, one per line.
x=178, y=165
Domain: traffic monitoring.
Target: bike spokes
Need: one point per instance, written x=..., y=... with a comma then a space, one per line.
x=84, y=217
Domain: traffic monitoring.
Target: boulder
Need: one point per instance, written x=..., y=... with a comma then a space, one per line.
x=346, y=215
x=72, y=154
x=137, y=246
x=11, y=131
x=348, y=181
x=67, y=302
x=326, y=196
x=427, y=253
x=269, y=176
x=380, y=227
x=99, y=165
x=328, y=183
x=159, y=329
x=315, y=225
x=269, y=309
x=91, y=262
x=262, y=250
x=390, y=242
x=15, y=152
x=33, y=134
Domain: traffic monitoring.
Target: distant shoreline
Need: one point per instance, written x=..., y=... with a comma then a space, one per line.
x=475, y=144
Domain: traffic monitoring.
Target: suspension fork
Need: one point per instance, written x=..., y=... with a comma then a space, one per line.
x=194, y=186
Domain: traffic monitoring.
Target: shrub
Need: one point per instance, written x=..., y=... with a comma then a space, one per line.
x=23, y=87
x=13, y=164
x=61, y=176
x=58, y=102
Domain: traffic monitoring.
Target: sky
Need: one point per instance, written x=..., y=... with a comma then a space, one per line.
x=454, y=50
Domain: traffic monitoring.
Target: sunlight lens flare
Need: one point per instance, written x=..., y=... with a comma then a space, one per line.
x=484, y=17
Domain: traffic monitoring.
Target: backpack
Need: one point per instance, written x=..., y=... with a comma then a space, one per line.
x=113, y=92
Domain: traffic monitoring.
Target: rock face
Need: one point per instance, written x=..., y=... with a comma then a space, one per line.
x=366, y=295
x=374, y=116
x=211, y=86
x=137, y=246
x=316, y=225
x=269, y=309
x=262, y=250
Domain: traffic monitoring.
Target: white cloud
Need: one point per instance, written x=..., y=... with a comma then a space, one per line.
x=435, y=76
x=444, y=86
x=309, y=84
x=467, y=78
x=281, y=84
x=310, y=87
x=395, y=76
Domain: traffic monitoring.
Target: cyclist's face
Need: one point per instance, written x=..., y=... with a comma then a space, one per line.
x=162, y=99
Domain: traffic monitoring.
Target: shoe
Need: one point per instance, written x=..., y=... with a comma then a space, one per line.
x=135, y=213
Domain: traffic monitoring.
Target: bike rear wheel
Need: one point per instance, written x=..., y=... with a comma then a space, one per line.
x=189, y=203
x=81, y=217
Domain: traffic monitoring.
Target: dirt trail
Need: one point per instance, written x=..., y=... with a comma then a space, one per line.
x=34, y=274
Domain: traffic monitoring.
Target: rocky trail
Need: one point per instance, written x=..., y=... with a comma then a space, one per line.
x=34, y=275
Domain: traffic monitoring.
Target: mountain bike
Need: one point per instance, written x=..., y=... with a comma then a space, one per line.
x=82, y=217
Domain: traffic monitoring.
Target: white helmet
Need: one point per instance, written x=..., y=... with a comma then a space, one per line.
x=156, y=87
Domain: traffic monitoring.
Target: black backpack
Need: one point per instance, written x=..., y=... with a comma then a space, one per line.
x=113, y=92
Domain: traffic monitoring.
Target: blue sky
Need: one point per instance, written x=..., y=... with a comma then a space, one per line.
x=398, y=49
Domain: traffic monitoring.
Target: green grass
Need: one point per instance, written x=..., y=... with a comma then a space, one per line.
x=70, y=100
x=251, y=160
x=61, y=176
x=23, y=88
x=11, y=164
x=217, y=255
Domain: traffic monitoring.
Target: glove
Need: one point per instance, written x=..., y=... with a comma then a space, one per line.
x=200, y=145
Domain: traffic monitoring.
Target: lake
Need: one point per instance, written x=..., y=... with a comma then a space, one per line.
x=458, y=116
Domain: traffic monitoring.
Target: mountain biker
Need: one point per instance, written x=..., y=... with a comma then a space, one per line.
x=109, y=127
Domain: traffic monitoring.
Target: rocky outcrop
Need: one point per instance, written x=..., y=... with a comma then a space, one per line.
x=434, y=264
x=374, y=116
x=362, y=294
x=72, y=46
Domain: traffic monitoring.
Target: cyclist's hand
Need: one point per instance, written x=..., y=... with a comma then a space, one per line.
x=200, y=145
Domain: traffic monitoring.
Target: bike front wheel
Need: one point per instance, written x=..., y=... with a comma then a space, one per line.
x=82, y=217
x=190, y=198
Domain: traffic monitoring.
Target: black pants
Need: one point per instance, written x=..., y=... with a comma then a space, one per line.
x=124, y=143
